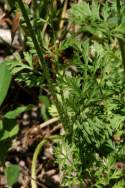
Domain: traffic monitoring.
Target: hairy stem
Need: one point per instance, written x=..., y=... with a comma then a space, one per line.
x=39, y=50
x=37, y=46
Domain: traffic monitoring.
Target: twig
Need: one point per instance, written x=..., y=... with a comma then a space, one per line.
x=50, y=121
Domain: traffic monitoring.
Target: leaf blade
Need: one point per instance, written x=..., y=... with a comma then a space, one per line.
x=5, y=80
x=12, y=174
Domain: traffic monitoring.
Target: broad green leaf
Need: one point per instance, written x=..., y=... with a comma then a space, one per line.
x=10, y=129
x=12, y=174
x=14, y=113
x=5, y=79
x=8, y=134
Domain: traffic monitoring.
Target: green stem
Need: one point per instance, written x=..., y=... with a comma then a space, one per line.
x=39, y=50
x=37, y=46
x=121, y=43
x=62, y=113
x=54, y=138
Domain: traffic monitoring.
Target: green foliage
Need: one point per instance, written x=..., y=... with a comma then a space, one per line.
x=93, y=97
x=12, y=174
x=17, y=66
x=15, y=113
x=102, y=26
x=25, y=70
x=45, y=105
x=89, y=86
x=9, y=128
x=5, y=79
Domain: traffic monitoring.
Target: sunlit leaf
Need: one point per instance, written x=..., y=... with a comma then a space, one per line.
x=5, y=79
x=14, y=113
x=10, y=129
x=12, y=174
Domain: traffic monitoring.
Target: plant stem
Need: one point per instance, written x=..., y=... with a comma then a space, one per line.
x=54, y=138
x=62, y=113
x=49, y=122
x=121, y=43
x=39, y=50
